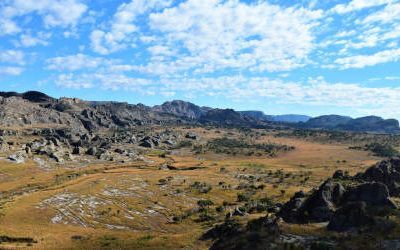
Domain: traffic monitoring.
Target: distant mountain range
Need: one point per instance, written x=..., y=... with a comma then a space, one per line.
x=363, y=124
x=291, y=118
x=34, y=108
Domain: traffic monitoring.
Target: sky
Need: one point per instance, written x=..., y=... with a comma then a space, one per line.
x=278, y=56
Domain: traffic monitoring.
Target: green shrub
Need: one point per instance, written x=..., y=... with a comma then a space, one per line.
x=382, y=150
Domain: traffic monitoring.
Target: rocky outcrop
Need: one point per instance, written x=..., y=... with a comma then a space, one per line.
x=347, y=202
x=182, y=109
x=149, y=142
x=386, y=172
x=352, y=215
x=19, y=157
x=191, y=135
x=373, y=194
x=317, y=207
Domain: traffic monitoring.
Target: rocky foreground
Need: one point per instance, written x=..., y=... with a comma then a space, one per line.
x=362, y=209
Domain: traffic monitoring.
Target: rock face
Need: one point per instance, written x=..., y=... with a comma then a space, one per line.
x=351, y=216
x=35, y=108
x=374, y=194
x=33, y=96
x=182, y=109
x=16, y=111
x=327, y=121
x=191, y=135
x=318, y=207
x=386, y=172
x=347, y=202
x=149, y=142
x=18, y=157
x=263, y=233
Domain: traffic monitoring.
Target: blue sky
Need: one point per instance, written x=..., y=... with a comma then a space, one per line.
x=311, y=57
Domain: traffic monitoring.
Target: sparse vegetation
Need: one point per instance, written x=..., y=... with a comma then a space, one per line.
x=235, y=147
x=382, y=150
x=170, y=188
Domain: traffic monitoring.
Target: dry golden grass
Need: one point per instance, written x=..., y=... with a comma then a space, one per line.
x=28, y=215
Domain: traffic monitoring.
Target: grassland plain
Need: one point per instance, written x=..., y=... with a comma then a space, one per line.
x=155, y=202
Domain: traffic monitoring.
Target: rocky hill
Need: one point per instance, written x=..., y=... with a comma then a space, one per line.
x=38, y=109
x=363, y=124
x=290, y=118
x=327, y=121
x=182, y=109
x=35, y=108
x=229, y=117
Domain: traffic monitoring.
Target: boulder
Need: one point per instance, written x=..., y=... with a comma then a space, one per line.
x=149, y=142
x=92, y=151
x=290, y=211
x=386, y=172
x=104, y=155
x=57, y=156
x=169, y=142
x=191, y=135
x=340, y=175
x=28, y=150
x=78, y=151
x=4, y=146
x=18, y=157
x=374, y=194
x=105, y=145
x=236, y=212
x=352, y=215
x=146, y=144
x=55, y=141
x=317, y=207
x=119, y=151
x=167, y=167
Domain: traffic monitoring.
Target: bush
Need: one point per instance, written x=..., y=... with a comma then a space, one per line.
x=205, y=203
x=234, y=146
x=203, y=217
x=382, y=150
x=183, y=144
x=201, y=187
x=244, y=197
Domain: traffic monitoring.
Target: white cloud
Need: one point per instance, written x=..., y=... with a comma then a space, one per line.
x=104, y=81
x=61, y=13
x=386, y=78
x=12, y=56
x=13, y=71
x=217, y=35
x=8, y=27
x=68, y=81
x=356, y=5
x=361, y=61
x=75, y=62
x=314, y=91
x=161, y=50
x=27, y=40
x=389, y=14
x=123, y=26
x=209, y=35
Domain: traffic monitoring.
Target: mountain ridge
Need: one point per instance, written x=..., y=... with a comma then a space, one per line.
x=345, y=123
x=33, y=108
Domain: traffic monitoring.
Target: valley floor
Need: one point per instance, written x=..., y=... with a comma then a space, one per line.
x=153, y=202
